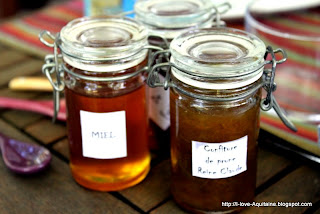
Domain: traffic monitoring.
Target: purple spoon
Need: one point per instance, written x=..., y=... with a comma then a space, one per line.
x=23, y=158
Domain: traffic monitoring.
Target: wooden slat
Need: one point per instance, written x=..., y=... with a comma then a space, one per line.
x=169, y=207
x=52, y=191
x=46, y=131
x=13, y=133
x=269, y=165
x=28, y=67
x=5, y=92
x=62, y=147
x=302, y=185
x=153, y=190
x=11, y=57
x=21, y=119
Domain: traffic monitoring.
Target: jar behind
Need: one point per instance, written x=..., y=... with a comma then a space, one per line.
x=164, y=21
x=104, y=64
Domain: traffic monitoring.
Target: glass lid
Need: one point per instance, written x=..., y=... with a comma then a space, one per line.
x=102, y=38
x=218, y=52
x=173, y=14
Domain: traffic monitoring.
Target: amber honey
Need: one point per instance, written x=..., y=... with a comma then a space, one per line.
x=110, y=174
x=104, y=64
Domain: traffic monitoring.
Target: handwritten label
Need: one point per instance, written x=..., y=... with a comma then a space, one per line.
x=103, y=134
x=159, y=106
x=219, y=160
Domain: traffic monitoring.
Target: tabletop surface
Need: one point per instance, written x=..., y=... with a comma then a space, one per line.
x=280, y=178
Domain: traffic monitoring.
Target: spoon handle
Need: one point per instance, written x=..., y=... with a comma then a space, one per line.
x=30, y=83
x=42, y=107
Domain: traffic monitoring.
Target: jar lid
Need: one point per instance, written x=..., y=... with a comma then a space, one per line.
x=168, y=18
x=227, y=58
x=102, y=39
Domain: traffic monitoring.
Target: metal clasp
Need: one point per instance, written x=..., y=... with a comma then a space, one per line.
x=268, y=82
x=153, y=79
x=52, y=66
x=217, y=22
x=270, y=86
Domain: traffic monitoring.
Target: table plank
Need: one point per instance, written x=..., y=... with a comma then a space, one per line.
x=153, y=190
x=46, y=131
x=169, y=207
x=302, y=185
x=62, y=147
x=18, y=117
x=51, y=191
x=11, y=57
x=269, y=165
x=9, y=131
x=6, y=92
x=29, y=67
x=21, y=119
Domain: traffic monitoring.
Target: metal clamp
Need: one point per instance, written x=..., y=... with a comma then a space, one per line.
x=153, y=79
x=268, y=83
x=217, y=20
x=166, y=43
x=52, y=66
x=270, y=86
x=104, y=79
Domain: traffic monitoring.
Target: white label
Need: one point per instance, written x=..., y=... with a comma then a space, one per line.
x=103, y=134
x=159, y=106
x=219, y=160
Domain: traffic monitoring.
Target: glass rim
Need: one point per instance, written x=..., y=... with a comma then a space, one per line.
x=70, y=45
x=181, y=57
x=249, y=19
x=168, y=21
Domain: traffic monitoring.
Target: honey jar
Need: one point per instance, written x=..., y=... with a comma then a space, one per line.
x=103, y=69
x=216, y=78
x=164, y=20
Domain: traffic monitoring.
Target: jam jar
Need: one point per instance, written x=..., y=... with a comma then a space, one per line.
x=104, y=63
x=166, y=19
x=215, y=81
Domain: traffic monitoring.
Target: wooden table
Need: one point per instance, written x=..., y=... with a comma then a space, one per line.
x=280, y=178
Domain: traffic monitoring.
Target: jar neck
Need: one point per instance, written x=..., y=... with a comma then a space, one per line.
x=105, y=84
x=218, y=95
x=105, y=65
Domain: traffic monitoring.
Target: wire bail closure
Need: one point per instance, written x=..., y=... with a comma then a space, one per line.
x=268, y=83
x=270, y=86
x=52, y=66
x=217, y=11
x=225, y=8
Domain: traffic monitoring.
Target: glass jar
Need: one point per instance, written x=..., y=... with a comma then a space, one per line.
x=216, y=80
x=166, y=19
x=104, y=64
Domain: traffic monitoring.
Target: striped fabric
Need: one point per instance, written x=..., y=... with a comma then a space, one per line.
x=23, y=34
x=298, y=79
